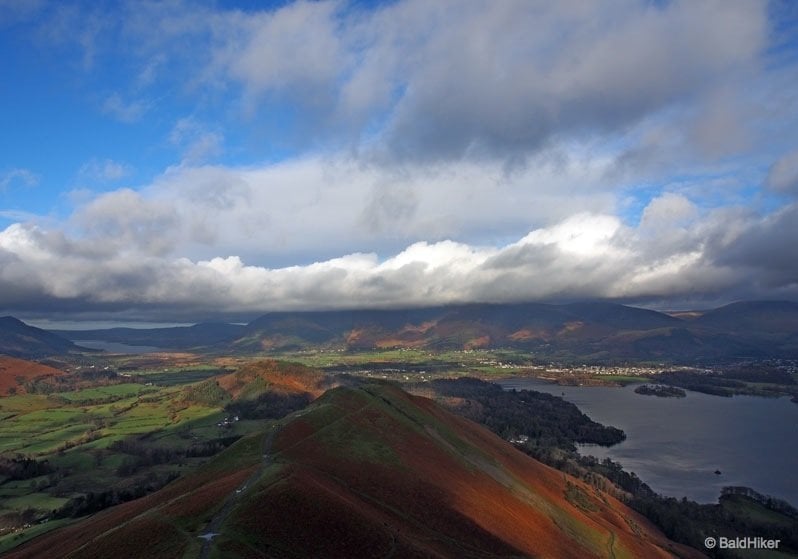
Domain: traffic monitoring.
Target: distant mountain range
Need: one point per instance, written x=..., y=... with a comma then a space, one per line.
x=367, y=472
x=581, y=331
x=177, y=337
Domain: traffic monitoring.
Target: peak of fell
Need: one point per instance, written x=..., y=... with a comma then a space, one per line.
x=275, y=375
x=421, y=482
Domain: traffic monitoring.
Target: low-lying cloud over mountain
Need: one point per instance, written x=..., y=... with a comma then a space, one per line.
x=728, y=253
x=334, y=154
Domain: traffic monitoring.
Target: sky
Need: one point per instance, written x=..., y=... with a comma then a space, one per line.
x=182, y=161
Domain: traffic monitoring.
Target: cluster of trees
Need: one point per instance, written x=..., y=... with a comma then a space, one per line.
x=23, y=467
x=87, y=437
x=661, y=390
x=207, y=393
x=548, y=421
x=96, y=501
x=760, y=374
x=715, y=385
x=77, y=381
x=689, y=522
x=139, y=454
x=772, y=503
x=770, y=381
x=268, y=405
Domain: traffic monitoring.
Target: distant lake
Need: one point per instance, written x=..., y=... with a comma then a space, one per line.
x=114, y=347
x=676, y=444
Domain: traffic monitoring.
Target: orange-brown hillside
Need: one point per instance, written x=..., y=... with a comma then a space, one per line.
x=276, y=376
x=369, y=472
x=14, y=373
x=374, y=471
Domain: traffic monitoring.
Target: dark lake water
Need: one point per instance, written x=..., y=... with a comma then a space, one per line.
x=114, y=347
x=676, y=444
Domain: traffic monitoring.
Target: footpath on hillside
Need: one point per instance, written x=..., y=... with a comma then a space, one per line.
x=215, y=524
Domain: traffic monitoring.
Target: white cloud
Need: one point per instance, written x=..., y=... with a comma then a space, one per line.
x=319, y=207
x=123, y=221
x=419, y=80
x=589, y=255
x=125, y=111
x=667, y=212
x=106, y=170
x=293, y=48
x=197, y=143
x=581, y=235
x=24, y=176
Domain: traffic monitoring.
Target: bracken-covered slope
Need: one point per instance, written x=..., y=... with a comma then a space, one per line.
x=277, y=377
x=14, y=373
x=368, y=472
x=373, y=471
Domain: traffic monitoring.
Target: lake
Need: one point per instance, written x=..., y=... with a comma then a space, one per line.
x=676, y=444
x=115, y=347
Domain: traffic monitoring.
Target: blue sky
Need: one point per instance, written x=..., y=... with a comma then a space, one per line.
x=175, y=160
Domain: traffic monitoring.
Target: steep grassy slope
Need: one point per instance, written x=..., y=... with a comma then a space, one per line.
x=367, y=472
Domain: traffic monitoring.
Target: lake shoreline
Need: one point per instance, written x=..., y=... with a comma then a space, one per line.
x=707, y=434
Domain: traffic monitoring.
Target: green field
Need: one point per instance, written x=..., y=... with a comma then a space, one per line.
x=181, y=377
x=106, y=393
x=76, y=434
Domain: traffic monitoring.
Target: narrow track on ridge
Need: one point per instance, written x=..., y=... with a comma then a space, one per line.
x=214, y=525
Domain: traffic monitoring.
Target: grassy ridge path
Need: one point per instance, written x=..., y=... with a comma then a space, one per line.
x=214, y=525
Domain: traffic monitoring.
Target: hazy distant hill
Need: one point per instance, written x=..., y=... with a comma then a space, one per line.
x=178, y=337
x=780, y=317
x=621, y=316
x=368, y=472
x=20, y=340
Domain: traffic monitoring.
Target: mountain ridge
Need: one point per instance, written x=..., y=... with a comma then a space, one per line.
x=370, y=470
x=588, y=331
